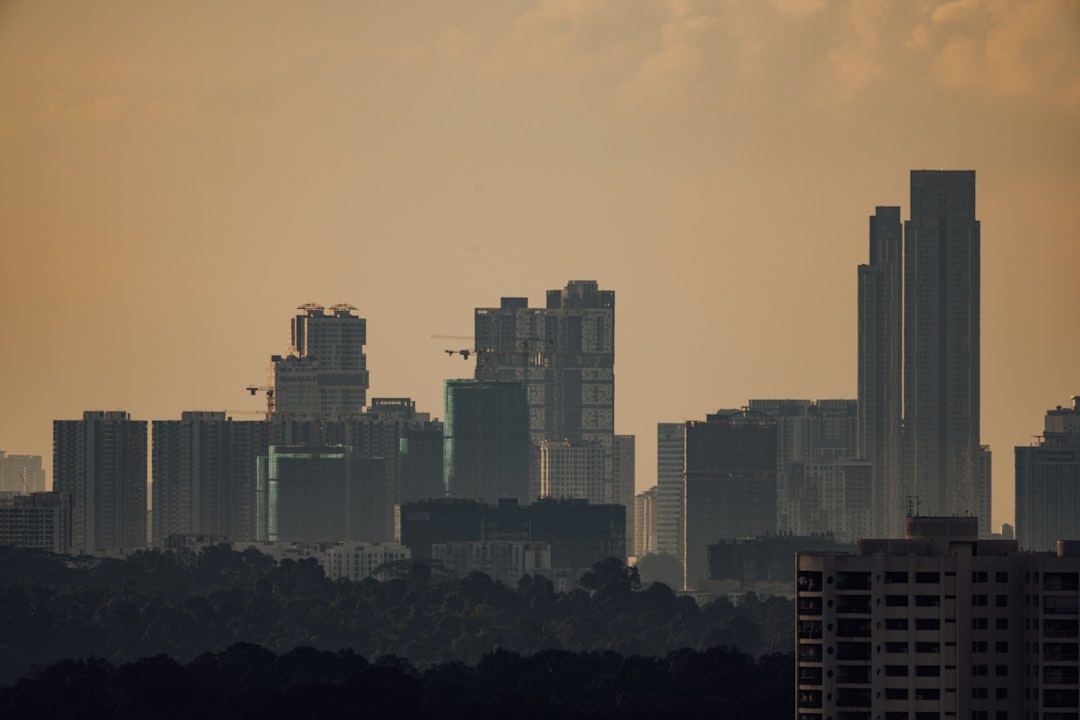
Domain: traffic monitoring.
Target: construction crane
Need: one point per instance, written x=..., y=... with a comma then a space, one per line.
x=268, y=390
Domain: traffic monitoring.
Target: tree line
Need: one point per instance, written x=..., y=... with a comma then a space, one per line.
x=184, y=604
x=249, y=681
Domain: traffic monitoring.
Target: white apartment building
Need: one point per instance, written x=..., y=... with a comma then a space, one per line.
x=938, y=625
x=572, y=469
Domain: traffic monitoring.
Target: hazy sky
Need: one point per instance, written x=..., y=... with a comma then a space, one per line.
x=175, y=178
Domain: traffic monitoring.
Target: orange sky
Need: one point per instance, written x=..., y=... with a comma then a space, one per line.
x=175, y=178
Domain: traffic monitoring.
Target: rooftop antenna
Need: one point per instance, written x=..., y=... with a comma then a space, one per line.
x=913, y=505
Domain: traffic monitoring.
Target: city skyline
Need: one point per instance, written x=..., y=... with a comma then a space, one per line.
x=175, y=187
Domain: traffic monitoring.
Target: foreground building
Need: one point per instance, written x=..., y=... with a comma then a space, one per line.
x=100, y=462
x=938, y=625
x=1048, y=482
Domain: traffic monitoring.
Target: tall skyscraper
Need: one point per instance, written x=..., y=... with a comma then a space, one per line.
x=941, y=342
x=925, y=453
x=1048, y=482
x=100, y=462
x=565, y=355
x=324, y=374
x=204, y=472
x=881, y=367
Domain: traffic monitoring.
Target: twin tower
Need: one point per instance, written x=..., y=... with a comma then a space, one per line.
x=919, y=356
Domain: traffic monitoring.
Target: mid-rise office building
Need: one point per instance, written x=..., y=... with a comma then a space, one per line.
x=729, y=484
x=941, y=624
x=311, y=494
x=39, y=520
x=1048, y=482
x=565, y=355
x=21, y=473
x=487, y=450
x=204, y=475
x=100, y=462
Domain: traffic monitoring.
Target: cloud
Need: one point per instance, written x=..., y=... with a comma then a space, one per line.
x=1012, y=49
x=549, y=36
x=670, y=70
x=798, y=8
x=456, y=43
x=856, y=61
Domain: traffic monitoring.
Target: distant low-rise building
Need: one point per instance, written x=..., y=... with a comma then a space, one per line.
x=504, y=561
x=38, y=520
x=21, y=473
x=579, y=533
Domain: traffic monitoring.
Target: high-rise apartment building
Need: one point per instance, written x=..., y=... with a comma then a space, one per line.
x=565, y=355
x=670, y=446
x=100, y=462
x=881, y=367
x=324, y=374
x=811, y=436
x=1048, y=482
x=925, y=451
x=939, y=625
x=204, y=476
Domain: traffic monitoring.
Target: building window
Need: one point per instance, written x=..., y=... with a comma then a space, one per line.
x=895, y=600
x=979, y=693
x=1002, y=600
x=978, y=600
x=978, y=623
x=976, y=577
x=1002, y=623
x=1001, y=646
x=927, y=624
x=978, y=646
